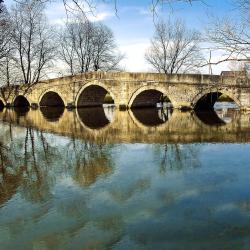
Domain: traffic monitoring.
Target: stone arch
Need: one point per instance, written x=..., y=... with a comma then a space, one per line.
x=92, y=94
x=51, y=99
x=2, y=104
x=147, y=96
x=21, y=101
x=207, y=99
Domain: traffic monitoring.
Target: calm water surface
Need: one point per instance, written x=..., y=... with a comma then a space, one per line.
x=104, y=179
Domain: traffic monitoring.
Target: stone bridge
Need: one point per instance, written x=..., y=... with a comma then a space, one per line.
x=130, y=90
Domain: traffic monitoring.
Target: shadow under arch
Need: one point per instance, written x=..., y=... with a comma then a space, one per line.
x=52, y=114
x=93, y=117
x=51, y=99
x=152, y=117
x=21, y=105
x=21, y=101
x=148, y=97
x=92, y=95
x=2, y=105
x=206, y=101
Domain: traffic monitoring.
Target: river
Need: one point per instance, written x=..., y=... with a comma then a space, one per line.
x=100, y=178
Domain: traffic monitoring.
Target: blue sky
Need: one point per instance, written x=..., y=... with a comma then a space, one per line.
x=133, y=26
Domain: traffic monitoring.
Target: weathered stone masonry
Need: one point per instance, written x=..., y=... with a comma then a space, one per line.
x=134, y=90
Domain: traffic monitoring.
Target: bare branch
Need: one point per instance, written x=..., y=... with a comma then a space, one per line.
x=174, y=49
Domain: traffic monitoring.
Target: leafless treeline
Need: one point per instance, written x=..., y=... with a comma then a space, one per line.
x=86, y=46
x=232, y=35
x=29, y=46
x=174, y=48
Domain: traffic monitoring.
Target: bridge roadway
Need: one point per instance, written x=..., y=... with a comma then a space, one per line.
x=146, y=126
x=130, y=90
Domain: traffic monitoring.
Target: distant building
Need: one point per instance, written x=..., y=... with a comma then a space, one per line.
x=242, y=73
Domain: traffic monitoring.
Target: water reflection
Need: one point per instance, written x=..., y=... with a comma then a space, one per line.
x=109, y=125
x=22, y=111
x=152, y=116
x=222, y=114
x=177, y=157
x=63, y=186
x=52, y=114
x=95, y=118
x=92, y=162
x=210, y=117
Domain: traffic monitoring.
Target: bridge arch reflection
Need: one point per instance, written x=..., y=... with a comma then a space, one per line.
x=210, y=118
x=151, y=117
x=95, y=118
x=52, y=114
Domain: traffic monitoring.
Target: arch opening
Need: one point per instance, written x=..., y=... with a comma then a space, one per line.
x=51, y=99
x=94, y=96
x=21, y=101
x=213, y=100
x=1, y=105
x=151, y=98
x=216, y=108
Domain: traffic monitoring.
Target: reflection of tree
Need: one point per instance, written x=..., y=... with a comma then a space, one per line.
x=22, y=171
x=177, y=157
x=9, y=181
x=37, y=157
x=91, y=161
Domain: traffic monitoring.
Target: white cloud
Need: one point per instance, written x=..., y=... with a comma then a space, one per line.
x=56, y=13
x=101, y=16
x=134, y=55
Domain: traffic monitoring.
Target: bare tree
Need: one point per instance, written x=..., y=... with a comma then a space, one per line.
x=174, y=48
x=231, y=36
x=85, y=46
x=105, y=53
x=7, y=62
x=32, y=40
x=76, y=45
x=244, y=6
x=5, y=29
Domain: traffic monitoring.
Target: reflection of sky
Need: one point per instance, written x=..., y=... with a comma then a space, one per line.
x=202, y=195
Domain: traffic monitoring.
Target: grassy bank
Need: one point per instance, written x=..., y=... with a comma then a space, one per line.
x=224, y=98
